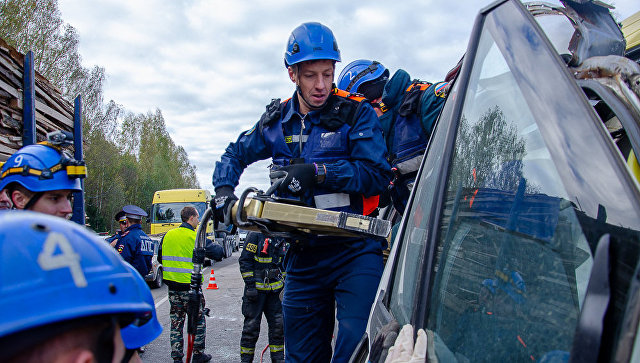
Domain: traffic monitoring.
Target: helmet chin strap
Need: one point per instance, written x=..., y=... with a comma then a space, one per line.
x=33, y=200
x=309, y=105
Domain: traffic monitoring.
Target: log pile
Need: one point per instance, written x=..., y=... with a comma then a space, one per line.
x=52, y=111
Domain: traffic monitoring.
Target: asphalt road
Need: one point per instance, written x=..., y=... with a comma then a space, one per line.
x=224, y=326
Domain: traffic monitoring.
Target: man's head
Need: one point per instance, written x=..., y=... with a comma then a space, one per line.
x=133, y=214
x=310, y=59
x=89, y=292
x=190, y=215
x=5, y=202
x=121, y=219
x=364, y=76
x=42, y=178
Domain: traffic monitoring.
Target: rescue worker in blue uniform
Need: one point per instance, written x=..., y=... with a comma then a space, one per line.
x=75, y=299
x=135, y=246
x=44, y=176
x=261, y=269
x=332, y=151
x=407, y=110
x=122, y=222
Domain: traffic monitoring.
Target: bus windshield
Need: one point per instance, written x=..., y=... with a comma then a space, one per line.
x=170, y=212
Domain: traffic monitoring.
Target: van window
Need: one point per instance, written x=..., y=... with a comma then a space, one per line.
x=513, y=262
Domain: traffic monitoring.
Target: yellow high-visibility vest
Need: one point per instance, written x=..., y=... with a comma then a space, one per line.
x=177, y=253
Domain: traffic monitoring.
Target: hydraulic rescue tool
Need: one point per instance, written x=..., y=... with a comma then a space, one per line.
x=282, y=217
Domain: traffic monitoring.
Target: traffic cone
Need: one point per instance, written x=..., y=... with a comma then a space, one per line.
x=212, y=282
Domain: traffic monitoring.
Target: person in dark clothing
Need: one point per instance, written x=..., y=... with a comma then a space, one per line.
x=260, y=266
x=122, y=222
x=135, y=246
x=332, y=151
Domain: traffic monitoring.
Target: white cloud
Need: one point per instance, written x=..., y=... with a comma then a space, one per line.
x=212, y=66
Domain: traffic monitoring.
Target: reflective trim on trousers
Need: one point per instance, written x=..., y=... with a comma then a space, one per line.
x=333, y=200
x=271, y=286
x=276, y=348
x=244, y=350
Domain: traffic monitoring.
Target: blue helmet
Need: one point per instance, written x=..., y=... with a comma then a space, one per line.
x=55, y=271
x=311, y=41
x=42, y=168
x=144, y=330
x=361, y=71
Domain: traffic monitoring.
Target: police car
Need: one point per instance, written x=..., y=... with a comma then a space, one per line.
x=154, y=277
x=521, y=239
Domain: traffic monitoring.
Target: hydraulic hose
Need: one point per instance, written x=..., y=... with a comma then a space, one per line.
x=195, y=291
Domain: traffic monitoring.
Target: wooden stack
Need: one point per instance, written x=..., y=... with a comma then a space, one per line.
x=52, y=111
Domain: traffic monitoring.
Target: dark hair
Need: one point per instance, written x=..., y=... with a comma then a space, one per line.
x=187, y=212
x=43, y=343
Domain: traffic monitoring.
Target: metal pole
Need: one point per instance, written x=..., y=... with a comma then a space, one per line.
x=78, y=197
x=28, y=102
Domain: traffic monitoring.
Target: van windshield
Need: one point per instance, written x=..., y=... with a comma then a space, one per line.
x=170, y=212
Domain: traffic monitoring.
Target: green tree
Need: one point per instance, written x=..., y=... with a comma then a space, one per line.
x=128, y=156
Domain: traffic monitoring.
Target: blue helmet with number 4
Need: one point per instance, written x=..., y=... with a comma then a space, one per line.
x=311, y=41
x=55, y=271
x=42, y=168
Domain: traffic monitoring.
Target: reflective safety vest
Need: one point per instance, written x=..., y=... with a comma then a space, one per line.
x=177, y=253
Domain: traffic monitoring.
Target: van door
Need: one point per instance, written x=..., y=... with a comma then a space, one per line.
x=519, y=186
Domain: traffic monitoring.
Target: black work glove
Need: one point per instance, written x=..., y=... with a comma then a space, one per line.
x=251, y=293
x=300, y=178
x=222, y=203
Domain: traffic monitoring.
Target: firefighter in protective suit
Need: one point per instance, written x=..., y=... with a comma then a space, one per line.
x=260, y=266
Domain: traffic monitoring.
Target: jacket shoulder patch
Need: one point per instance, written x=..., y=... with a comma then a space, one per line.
x=251, y=247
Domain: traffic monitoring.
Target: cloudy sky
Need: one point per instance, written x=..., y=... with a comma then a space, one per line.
x=211, y=66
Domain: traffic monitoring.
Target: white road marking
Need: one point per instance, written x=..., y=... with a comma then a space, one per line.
x=162, y=301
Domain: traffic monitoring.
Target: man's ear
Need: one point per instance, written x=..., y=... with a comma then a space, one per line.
x=19, y=199
x=84, y=356
x=292, y=75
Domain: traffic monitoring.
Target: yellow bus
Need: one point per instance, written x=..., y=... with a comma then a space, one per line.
x=167, y=205
x=631, y=31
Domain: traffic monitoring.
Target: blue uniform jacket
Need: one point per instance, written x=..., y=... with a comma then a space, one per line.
x=355, y=156
x=136, y=248
x=431, y=103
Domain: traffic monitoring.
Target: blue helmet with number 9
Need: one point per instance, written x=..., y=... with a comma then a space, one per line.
x=42, y=168
x=55, y=271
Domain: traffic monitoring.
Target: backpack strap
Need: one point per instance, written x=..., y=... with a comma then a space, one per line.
x=273, y=113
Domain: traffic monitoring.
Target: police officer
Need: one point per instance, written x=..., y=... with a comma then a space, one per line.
x=43, y=177
x=89, y=293
x=135, y=246
x=176, y=257
x=260, y=266
x=407, y=110
x=332, y=151
x=122, y=222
